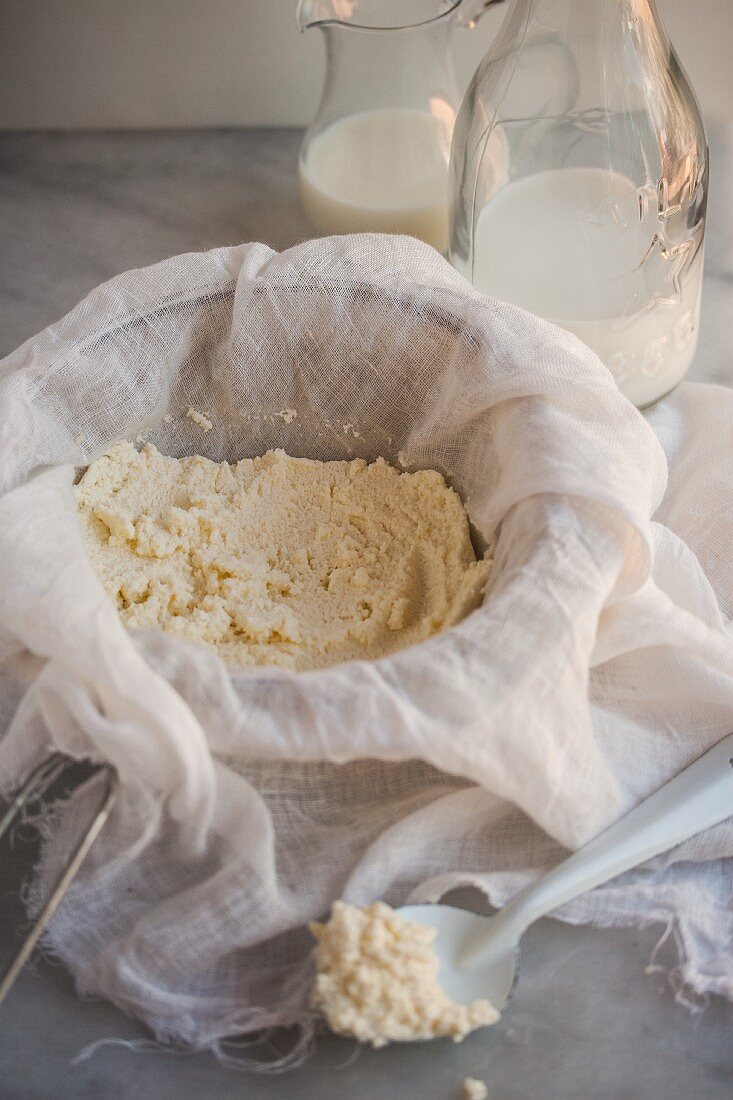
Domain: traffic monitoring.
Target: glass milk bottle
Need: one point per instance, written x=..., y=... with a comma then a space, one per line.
x=375, y=157
x=579, y=175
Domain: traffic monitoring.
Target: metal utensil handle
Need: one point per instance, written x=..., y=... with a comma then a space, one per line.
x=39, y=780
x=43, y=776
x=699, y=797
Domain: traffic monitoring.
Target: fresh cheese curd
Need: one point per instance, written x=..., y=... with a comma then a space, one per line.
x=377, y=979
x=279, y=560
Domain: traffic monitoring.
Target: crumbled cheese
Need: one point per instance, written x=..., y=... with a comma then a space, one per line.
x=474, y=1089
x=198, y=418
x=279, y=560
x=288, y=415
x=167, y=418
x=377, y=979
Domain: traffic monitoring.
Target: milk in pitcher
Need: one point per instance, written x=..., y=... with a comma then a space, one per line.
x=380, y=171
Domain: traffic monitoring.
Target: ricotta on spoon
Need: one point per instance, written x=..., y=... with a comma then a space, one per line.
x=377, y=979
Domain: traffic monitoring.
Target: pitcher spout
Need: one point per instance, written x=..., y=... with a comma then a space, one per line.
x=385, y=15
x=319, y=13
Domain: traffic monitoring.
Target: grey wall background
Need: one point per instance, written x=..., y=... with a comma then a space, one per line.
x=83, y=64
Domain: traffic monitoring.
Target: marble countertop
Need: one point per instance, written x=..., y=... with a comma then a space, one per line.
x=587, y=1022
x=76, y=209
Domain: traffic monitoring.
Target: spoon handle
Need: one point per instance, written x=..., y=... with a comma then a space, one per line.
x=697, y=798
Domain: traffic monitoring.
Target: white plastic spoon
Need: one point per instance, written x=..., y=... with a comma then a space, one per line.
x=479, y=955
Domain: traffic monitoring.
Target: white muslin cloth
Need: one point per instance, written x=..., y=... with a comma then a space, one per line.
x=600, y=664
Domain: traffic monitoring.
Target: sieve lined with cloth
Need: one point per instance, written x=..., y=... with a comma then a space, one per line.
x=249, y=800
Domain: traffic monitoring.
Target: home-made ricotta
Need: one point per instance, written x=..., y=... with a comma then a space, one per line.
x=278, y=560
x=377, y=979
x=198, y=418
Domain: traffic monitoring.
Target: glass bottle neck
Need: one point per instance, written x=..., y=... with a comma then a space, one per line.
x=578, y=16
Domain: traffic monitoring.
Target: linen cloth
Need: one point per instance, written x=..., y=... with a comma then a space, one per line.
x=600, y=664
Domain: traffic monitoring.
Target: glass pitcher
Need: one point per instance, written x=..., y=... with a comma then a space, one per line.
x=579, y=176
x=375, y=157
